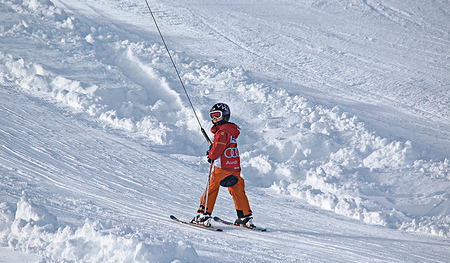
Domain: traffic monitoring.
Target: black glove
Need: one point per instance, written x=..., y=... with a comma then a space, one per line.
x=209, y=160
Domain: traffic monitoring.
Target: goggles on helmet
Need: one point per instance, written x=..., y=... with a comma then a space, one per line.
x=217, y=114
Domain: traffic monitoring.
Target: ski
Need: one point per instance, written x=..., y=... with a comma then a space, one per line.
x=191, y=224
x=218, y=219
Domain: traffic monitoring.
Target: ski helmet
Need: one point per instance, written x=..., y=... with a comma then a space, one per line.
x=223, y=109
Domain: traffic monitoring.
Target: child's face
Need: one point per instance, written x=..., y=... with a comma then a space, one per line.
x=217, y=120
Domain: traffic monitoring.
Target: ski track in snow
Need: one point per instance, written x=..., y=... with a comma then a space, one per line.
x=342, y=131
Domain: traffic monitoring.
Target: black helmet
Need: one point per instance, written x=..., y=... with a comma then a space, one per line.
x=221, y=108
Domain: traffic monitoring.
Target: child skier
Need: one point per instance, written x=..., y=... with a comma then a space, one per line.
x=227, y=169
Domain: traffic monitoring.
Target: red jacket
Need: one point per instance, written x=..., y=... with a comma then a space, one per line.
x=224, y=150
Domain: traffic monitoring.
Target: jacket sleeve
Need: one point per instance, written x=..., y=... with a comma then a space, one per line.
x=219, y=145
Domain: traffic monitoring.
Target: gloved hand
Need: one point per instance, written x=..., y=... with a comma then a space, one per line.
x=207, y=152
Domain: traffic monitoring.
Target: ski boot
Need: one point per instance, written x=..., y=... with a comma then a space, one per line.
x=245, y=222
x=202, y=219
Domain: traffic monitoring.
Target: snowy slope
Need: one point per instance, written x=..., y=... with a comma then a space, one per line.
x=343, y=107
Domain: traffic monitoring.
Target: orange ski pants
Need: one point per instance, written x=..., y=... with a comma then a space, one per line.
x=237, y=191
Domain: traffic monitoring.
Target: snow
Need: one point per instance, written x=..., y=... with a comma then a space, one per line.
x=343, y=108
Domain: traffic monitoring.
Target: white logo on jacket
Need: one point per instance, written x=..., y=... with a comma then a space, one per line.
x=231, y=153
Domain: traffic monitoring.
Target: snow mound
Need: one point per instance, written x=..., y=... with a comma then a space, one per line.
x=144, y=103
x=31, y=228
x=42, y=8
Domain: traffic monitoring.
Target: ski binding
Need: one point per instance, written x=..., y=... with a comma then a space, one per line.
x=195, y=225
x=218, y=219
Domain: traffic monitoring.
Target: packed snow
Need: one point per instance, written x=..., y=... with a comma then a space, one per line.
x=344, y=115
